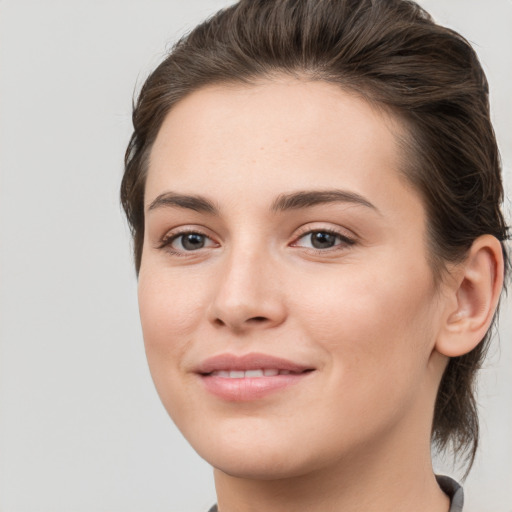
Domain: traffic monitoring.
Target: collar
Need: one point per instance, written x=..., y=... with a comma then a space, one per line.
x=453, y=490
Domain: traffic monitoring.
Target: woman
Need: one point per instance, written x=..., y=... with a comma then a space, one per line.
x=314, y=193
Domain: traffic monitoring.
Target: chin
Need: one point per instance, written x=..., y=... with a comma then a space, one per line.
x=253, y=457
x=240, y=466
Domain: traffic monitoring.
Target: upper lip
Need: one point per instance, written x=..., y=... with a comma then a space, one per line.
x=253, y=361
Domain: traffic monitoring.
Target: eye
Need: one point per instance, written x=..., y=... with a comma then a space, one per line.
x=187, y=242
x=322, y=239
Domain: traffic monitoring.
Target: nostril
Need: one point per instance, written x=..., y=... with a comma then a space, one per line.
x=257, y=319
x=240, y=323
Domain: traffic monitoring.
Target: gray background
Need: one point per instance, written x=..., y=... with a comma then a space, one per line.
x=81, y=427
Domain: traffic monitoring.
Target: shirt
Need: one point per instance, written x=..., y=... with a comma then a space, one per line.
x=447, y=484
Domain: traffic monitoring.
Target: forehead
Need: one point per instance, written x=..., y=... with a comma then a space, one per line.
x=279, y=134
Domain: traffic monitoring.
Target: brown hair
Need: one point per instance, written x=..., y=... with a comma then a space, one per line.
x=392, y=53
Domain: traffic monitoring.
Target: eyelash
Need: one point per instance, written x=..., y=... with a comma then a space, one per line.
x=168, y=239
x=345, y=241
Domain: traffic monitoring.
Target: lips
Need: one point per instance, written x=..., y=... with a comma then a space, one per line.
x=248, y=374
x=247, y=362
x=249, y=377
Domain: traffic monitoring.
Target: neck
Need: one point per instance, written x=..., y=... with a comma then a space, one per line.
x=318, y=492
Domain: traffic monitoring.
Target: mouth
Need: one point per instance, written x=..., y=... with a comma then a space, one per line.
x=249, y=377
x=251, y=374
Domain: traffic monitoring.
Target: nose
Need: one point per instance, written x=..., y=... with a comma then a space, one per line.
x=249, y=294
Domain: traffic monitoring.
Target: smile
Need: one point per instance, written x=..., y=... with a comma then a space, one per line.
x=249, y=374
x=249, y=377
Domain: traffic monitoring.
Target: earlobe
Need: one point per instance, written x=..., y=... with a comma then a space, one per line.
x=475, y=294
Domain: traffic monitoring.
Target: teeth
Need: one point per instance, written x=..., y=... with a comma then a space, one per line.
x=249, y=374
x=253, y=373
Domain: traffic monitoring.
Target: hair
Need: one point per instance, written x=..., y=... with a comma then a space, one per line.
x=393, y=54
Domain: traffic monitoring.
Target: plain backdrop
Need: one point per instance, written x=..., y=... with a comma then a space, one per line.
x=81, y=427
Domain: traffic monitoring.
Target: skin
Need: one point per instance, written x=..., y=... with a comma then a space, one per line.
x=365, y=313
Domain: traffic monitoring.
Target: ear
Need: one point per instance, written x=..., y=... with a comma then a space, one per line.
x=473, y=297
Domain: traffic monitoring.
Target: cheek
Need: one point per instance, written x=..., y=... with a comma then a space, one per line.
x=376, y=336
x=368, y=323
x=169, y=312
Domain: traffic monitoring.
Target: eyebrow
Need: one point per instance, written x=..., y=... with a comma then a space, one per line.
x=284, y=202
x=307, y=199
x=191, y=202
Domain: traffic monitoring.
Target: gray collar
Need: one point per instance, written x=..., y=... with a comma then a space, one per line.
x=453, y=490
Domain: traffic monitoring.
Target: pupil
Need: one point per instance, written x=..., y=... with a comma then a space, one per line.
x=322, y=240
x=192, y=241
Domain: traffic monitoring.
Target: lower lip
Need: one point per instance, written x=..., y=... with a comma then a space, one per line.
x=246, y=389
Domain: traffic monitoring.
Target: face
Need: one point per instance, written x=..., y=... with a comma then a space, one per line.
x=287, y=304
